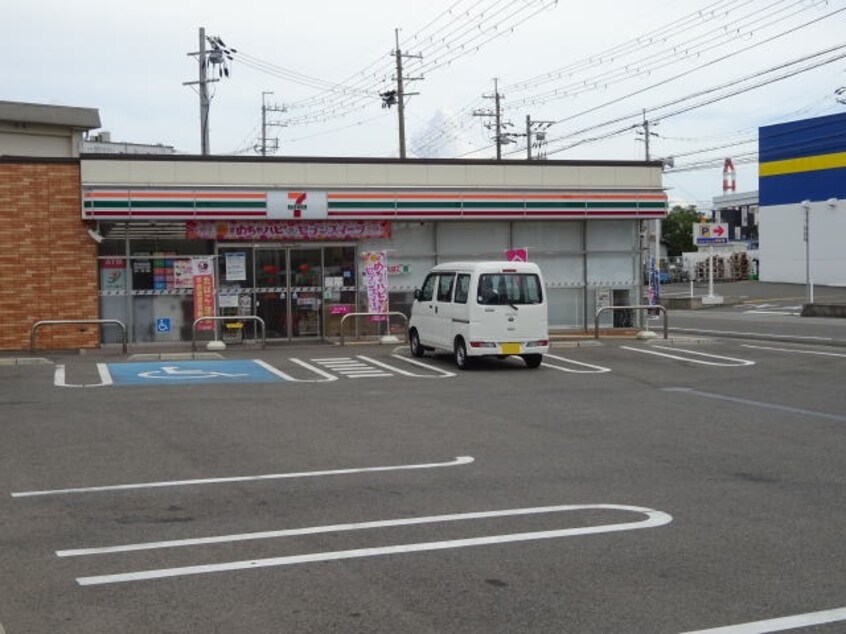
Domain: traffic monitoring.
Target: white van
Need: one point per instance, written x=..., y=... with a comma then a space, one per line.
x=475, y=309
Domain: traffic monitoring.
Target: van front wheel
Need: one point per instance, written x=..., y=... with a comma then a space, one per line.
x=532, y=360
x=461, y=358
x=414, y=344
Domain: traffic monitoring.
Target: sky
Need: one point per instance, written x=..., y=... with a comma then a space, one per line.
x=589, y=69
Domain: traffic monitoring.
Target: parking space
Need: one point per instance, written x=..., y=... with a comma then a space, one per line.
x=598, y=360
x=682, y=486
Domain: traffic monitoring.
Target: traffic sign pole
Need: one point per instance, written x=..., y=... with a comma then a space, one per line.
x=711, y=271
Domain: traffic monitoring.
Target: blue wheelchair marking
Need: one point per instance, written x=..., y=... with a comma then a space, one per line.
x=190, y=373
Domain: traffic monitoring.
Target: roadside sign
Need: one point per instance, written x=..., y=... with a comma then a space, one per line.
x=710, y=233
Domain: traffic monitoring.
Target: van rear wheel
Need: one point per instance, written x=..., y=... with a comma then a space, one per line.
x=461, y=358
x=532, y=360
x=414, y=344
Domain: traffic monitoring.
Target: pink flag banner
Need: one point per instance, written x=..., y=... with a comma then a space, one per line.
x=374, y=265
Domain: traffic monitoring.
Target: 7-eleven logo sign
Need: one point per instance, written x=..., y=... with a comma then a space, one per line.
x=296, y=205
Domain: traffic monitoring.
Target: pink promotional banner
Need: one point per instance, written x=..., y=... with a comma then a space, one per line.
x=203, y=270
x=305, y=230
x=374, y=265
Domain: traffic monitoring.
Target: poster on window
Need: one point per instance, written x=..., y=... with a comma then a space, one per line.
x=183, y=274
x=374, y=265
x=236, y=266
x=203, y=270
x=112, y=275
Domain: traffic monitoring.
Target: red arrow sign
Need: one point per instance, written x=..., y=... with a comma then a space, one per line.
x=719, y=231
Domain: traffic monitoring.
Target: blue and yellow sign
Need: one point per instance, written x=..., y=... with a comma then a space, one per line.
x=802, y=160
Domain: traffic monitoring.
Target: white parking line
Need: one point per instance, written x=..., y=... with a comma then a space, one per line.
x=594, y=369
x=102, y=370
x=733, y=362
x=750, y=334
x=352, y=368
x=460, y=460
x=780, y=624
x=653, y=519
x=443, y=373
x=771, y=312
x=327, y=377
x=338, y=528
x=796, y=351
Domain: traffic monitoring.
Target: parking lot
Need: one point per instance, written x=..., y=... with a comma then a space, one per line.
x=671, y=486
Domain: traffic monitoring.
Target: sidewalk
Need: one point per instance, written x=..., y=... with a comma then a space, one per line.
x=757, y=292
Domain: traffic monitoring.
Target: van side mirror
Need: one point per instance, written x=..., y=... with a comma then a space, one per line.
x=416, y=294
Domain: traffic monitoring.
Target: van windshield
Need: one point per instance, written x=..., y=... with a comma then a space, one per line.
x=509, y=288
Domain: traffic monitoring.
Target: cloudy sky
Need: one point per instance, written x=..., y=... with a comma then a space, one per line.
x=589, y=69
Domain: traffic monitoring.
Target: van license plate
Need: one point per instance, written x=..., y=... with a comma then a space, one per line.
x=511, y=348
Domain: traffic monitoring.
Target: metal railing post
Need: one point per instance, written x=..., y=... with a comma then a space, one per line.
x=657, y=307
x=399, y=314
x=254, y=318
x=72, y=322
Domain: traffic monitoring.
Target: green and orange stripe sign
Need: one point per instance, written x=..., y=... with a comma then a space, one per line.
x=197, y=204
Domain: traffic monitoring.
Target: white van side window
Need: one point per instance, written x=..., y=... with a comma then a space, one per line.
x=428, y=290
x=445, y=287
x=462, y=288
x=509, y=288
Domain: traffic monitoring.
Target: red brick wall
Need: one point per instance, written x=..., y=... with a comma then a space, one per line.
x=48, y=263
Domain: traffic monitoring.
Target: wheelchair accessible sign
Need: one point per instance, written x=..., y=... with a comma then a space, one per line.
x=191, y=373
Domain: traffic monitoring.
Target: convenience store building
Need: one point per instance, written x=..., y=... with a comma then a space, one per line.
x=284, y=237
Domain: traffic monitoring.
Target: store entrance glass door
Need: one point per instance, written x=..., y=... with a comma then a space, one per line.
x=305, y=286
x=287, y=287
x=271, y=290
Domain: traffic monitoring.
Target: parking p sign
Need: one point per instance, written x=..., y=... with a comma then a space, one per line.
x=710, y=233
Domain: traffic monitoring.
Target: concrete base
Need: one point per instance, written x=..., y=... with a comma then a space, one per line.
x=389, y=339
x=646, y=334
x=711, y=300
x=215, y=346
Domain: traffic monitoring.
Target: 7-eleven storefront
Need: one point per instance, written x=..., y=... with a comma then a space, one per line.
x=284, y=239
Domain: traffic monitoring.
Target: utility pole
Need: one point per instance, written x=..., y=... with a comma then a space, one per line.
x=397, y=97
x=647, y=133
x=538, y=128
x=219, y=56
x=262, y=149
x=499, y=137
x=204, y=95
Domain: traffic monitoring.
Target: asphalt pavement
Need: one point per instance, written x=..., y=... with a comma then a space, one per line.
x=624, y=486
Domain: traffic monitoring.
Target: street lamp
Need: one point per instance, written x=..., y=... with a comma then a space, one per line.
x=809, y=291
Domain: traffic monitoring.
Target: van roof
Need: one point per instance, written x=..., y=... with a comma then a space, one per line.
x=488, y=266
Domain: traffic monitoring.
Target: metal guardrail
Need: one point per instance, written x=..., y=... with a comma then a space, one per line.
x=388, y=314
x=72, y=322
x=255, y=318
x=657, y=307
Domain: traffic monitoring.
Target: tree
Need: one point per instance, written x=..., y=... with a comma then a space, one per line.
x=677, y=229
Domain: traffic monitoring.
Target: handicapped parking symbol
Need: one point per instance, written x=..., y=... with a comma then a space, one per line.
x=173, y=372
x=191, y=372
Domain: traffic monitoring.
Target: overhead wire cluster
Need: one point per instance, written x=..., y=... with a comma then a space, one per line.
x=711, y=34
x=464, y=28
